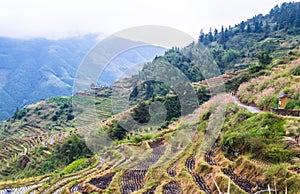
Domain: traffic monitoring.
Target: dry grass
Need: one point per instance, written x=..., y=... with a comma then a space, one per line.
x=280, y=80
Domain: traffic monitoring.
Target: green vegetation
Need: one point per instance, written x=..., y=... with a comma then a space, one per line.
x=262, y=148
x=267, y=83
x=53, y=114
x=264, y=58
x=141, y=113
x=259, y=135
x=44, y=160
x=139, y=138
x=116, y=131
x=296, y=71
x=74, y=148
x=65, y=111
x=77, y=165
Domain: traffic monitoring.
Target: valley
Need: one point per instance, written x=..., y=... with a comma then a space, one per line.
x=218, y=130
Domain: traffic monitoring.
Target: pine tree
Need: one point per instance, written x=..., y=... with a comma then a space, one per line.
x=222, y=36
x=297, y=20
x=201, y=36
x=242, y=26
x=210, y=35
x=226, y=34
x=215, y=34
x=257, y=26
x=267, y=27
x=249, y=28
x=274, y=11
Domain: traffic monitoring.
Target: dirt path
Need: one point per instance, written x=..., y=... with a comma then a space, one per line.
x=253, y=109
x=249, y=108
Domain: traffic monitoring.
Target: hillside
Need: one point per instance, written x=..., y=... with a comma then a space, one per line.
x=172, y=128
x=282, y=78
x=256, y=40
x=49, y=122
x=176, y=164
x=48, y=68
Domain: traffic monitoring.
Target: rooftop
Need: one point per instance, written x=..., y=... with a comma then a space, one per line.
x=282, y=95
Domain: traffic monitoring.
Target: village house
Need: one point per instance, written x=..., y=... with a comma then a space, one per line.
x=283, y=99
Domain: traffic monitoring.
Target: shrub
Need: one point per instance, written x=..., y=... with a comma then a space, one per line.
x=276, y=154
x=173, y=107
x=76, y=166
x=70, y=117
x=116, y=131
x=74, y=148
x=255, y=68
x=165, y=124
x=264, y=58
x=296, y=71
x=141, y=113
x=266, y=102
x=252, y=133
x=206, y=115
x=293, y=104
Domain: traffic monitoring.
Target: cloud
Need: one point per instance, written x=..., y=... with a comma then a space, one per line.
x=62, y=18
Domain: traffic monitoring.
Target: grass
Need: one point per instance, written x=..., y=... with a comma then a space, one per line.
x=54, y=115
x=138, y=138
x=263, y=90
x=257, y=134
x=76, y=166
x=263, y=129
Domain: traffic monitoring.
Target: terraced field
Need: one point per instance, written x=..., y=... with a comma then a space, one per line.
x=45, y=124
x=102, y=178
x=159, y=165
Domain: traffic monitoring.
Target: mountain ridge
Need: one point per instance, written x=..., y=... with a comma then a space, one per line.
x=39, y=68
x=215, y=147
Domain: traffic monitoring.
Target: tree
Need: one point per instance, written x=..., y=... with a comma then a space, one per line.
x=116, y=131
x=264, y=58
x=74, y=148
x=15, y=116
x=297, y=20
x=173, y=107
x=141, y=113
x=226, y=34
x=149, y=90
x=267, y=27
x=222, y=36
x=242, y=26
x=210, y=36
x=249, y=28
x=206, y=39
x=274, y=11
x=215, y=33
x=134, y=93
x=257, y=26
x=202, y=94
x=201, y=36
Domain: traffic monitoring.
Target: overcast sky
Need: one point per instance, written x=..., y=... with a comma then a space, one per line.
x=62, y=18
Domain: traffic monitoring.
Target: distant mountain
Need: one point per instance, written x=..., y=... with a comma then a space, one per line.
x=36, y=69
x=128, y=63
x=220, y=147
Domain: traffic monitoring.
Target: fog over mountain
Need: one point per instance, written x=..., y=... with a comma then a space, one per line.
x=35, y=69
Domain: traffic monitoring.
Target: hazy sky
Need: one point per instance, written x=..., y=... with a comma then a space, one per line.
x=62, y=18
